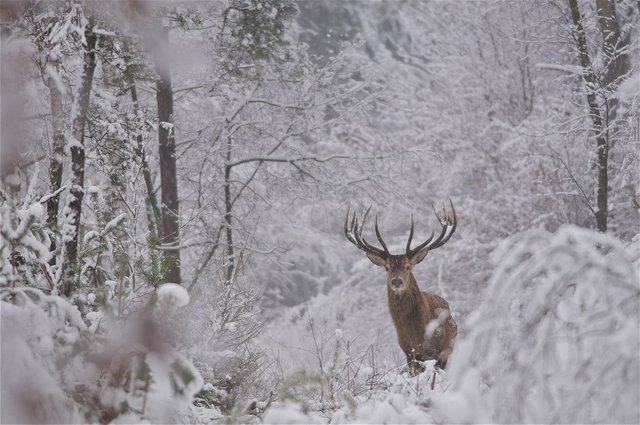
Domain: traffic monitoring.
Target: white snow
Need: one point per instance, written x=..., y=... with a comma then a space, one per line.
x=166, y=125
x=91, y=234
x=103, y=32
x=94, y=190
x=630, y=88
x=36, y=211
x=173, y=294
x=12, y=180
x=113, y=223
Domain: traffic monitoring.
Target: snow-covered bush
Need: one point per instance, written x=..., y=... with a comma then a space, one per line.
x=344, y=384
x=41, y=336
x=57, y=369
x=219, y=330
x=396, y=398
x=24, y=242
x=555, y=338
x=338, y=370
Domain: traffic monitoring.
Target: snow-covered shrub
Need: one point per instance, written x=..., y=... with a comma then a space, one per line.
x=346, y=385
x=338, y=371
x=221, y=343
x=56, y=369
x=393, y=408
x=555, y=338
x=41, y=336
x=24, y=242
x=396, y=398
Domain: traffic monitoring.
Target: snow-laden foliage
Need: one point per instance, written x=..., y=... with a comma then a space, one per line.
x=59, y=368
x=40, y=368
x=222, y=344
x=24, y=242
x=373, y=395
x=555, y=338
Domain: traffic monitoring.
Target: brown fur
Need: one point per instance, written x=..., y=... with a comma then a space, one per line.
x=411, y=312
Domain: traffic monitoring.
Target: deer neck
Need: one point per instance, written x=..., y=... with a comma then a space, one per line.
x=406, y=303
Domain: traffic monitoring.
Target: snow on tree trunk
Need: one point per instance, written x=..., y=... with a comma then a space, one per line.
x=57, y=150
x=72, y=212
x=615, y=49
x=597, y=117
x=55, y=162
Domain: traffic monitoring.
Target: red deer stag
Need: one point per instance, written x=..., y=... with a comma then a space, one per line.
x=425, y=328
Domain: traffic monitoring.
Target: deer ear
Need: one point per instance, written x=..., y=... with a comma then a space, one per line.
x=376, y=259
x=418, y=256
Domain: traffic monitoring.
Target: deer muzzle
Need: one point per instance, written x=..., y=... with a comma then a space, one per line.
x=396, y=282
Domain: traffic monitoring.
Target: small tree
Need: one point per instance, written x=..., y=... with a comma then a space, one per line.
x=601, y=83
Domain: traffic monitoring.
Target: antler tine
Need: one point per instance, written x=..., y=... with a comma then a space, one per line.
x=448, y=221
x=346, y=219
x=444, y=226
x=433, y=207
x=423, y=244
x=359, y=232
x=452, y=221
x=384, y=246
x=360, y=236
x=408, y=250
x=354, y=234
x=349, y=229
x=364, y=217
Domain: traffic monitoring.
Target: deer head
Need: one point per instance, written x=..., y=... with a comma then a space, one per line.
x=399, y=267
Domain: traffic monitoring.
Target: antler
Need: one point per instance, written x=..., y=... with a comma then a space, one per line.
x=353, y=232
x=450, y=221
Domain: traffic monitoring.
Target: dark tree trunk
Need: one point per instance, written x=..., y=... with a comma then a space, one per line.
x=617, y=66
x=71, y=224
x=168, y=178
x=57, y=157
x=614, y=46
x=228, y=217
x=57, y=152
x=597, y=117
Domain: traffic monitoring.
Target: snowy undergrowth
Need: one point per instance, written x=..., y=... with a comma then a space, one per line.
x=392, y=397
x=57, y=369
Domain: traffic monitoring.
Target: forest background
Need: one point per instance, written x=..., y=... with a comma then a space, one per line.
x=174, y=182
